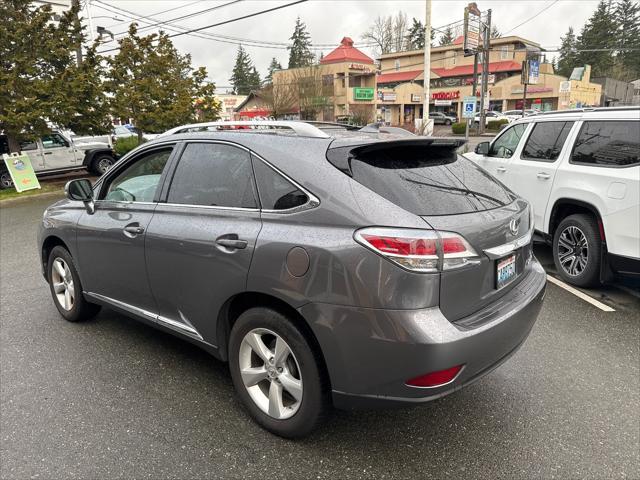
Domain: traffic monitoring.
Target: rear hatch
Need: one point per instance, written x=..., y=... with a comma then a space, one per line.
x=452, y=194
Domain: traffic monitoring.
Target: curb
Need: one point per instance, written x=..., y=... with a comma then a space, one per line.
x=8, y=201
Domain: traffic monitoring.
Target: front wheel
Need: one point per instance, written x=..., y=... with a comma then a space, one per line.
x=66, y=288
x=276, y=373
x=5, y=180
x=101, y=164
x=577, y=250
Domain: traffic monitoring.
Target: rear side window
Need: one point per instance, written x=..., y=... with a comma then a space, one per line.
x=608, y=144
x=546, y=141
x=428, y=181
x=276, y=192
x=213, y=174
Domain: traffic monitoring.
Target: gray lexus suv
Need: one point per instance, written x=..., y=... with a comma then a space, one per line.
x=327, y=267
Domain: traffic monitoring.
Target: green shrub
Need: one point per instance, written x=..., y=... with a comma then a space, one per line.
x=497, y=124
x=126, y=144
x=459, y=127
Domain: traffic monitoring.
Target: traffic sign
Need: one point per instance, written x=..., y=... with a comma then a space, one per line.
x=469, y=107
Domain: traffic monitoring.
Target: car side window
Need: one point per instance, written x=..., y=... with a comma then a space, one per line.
x=276, y=192
x=546, y=140
x=139, y=181
x=213, y=174
x=608, y=144
x=28, y=145
x=506, y=144
x=54, y=140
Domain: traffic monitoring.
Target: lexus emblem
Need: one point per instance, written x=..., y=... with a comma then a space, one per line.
x=514, y=225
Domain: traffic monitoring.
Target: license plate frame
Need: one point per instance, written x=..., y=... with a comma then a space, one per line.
x=505, y=271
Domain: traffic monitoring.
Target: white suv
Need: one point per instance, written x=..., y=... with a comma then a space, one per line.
x=580, y=169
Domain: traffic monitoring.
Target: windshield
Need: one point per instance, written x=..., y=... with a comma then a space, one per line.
x=429, y=181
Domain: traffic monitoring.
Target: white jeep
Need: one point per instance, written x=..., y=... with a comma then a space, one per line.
x=580, y=170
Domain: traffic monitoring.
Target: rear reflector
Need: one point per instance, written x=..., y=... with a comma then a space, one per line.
x=435, y=379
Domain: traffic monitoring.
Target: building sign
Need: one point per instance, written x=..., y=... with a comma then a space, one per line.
x=21, y=172
x=516, y=90
x=471, y=29
x=565, y=87
x=387, y=96
x=530, y=72
x=446, y=95
x=415, y=97
x=442, y=103
x=491, y=78
x=359, y=66
x=360, y=93
x=469, y=107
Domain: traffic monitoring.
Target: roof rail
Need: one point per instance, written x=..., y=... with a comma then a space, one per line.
x=301, y=129
x=592, y=109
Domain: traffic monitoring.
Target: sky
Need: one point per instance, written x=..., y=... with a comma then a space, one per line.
x=327, y=22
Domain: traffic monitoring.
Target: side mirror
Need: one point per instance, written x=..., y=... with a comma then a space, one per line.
x=482, y=148
x=80, y=191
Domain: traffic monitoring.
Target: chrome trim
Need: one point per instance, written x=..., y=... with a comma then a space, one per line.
x=501, y=250
x=209, y=207
x=301, y=129
x=154, y=317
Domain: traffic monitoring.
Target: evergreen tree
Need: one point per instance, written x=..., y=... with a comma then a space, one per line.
x=299, y=52
x=244, y=77
x=600, y=32
x=152, y=83
x=447, y=37
x=273, y=66
x=567, y=56
x=627, y=19
x=415, y=36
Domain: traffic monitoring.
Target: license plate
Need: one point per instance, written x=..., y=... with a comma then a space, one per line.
x=505, y=271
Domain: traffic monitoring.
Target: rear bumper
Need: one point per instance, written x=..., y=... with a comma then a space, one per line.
x=370, y=353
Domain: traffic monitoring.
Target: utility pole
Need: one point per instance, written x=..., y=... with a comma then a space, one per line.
x=88, y=7
x=427, y=71
x=485, y=71
x=76, y=3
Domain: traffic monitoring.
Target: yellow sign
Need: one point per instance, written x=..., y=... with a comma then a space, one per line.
x=21, y=171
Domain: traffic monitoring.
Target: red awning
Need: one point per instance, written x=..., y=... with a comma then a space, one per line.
x=463, y=70
x=398, y=76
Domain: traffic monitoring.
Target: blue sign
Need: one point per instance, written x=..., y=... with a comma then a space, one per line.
x=534, y=71
x=469, y=107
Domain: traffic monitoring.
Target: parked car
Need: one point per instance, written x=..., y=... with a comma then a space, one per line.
x=514, y=115
x=121, y=131
x=440, y=118
x=55, y=153
x=357, y=270
x=490, y=116
x=580, y=169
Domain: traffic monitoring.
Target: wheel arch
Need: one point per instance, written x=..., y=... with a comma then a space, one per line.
x=563, y=207
x=49, y=244
x=242, y=302
x=90, y=155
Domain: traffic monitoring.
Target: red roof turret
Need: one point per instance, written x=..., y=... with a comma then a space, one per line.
x=346, y=52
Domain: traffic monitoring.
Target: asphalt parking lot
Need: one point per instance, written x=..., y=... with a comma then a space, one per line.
x=112, y=398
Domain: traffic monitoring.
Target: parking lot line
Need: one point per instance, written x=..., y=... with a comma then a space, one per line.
x=579, y=294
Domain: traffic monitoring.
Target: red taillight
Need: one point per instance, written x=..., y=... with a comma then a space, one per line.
x=419, y=250
x=435, y=379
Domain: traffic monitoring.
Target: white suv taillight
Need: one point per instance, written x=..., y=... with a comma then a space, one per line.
x=419, y=250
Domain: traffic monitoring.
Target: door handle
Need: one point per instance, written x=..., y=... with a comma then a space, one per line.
x=47, y=153
x=501, y=169
x=234, y=243
x=543, y=175
x=133, y=230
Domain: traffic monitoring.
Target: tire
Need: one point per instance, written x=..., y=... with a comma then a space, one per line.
x=290, y=417
x=78, y=309
x=448, y=122
x=5, y=180
x=577, y=250
x=101, y=164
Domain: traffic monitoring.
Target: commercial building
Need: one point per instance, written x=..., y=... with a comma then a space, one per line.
x=401, y=79
x=615, y=92
x=229, y=103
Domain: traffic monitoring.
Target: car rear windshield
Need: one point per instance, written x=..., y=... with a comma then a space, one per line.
x=428, y=180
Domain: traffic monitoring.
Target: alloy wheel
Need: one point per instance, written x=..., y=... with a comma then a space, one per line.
x=270, y=373
x=573, y=250
x=5, y=180
x=62, y=282
x=104, y=164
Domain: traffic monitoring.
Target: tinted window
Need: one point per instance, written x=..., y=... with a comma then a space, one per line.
x=54, y=140
x=213, y=175
x=276, y=192
x=26, y=146
x=506, y=144
x=546, y=141
x=608, y=144
x=428, y=181
x=139, y=181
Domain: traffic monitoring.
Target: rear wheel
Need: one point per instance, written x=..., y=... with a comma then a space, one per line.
x=66, y=288
x=5, y=180
x=102, y=163
x=577, y=249
x=276, y=373
x=448, y=122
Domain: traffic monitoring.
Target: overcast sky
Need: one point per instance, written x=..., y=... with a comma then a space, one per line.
x=328, y=21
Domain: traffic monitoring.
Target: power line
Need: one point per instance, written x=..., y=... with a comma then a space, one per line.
x=534, y=16
x=243, y=17
x=167, y=11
